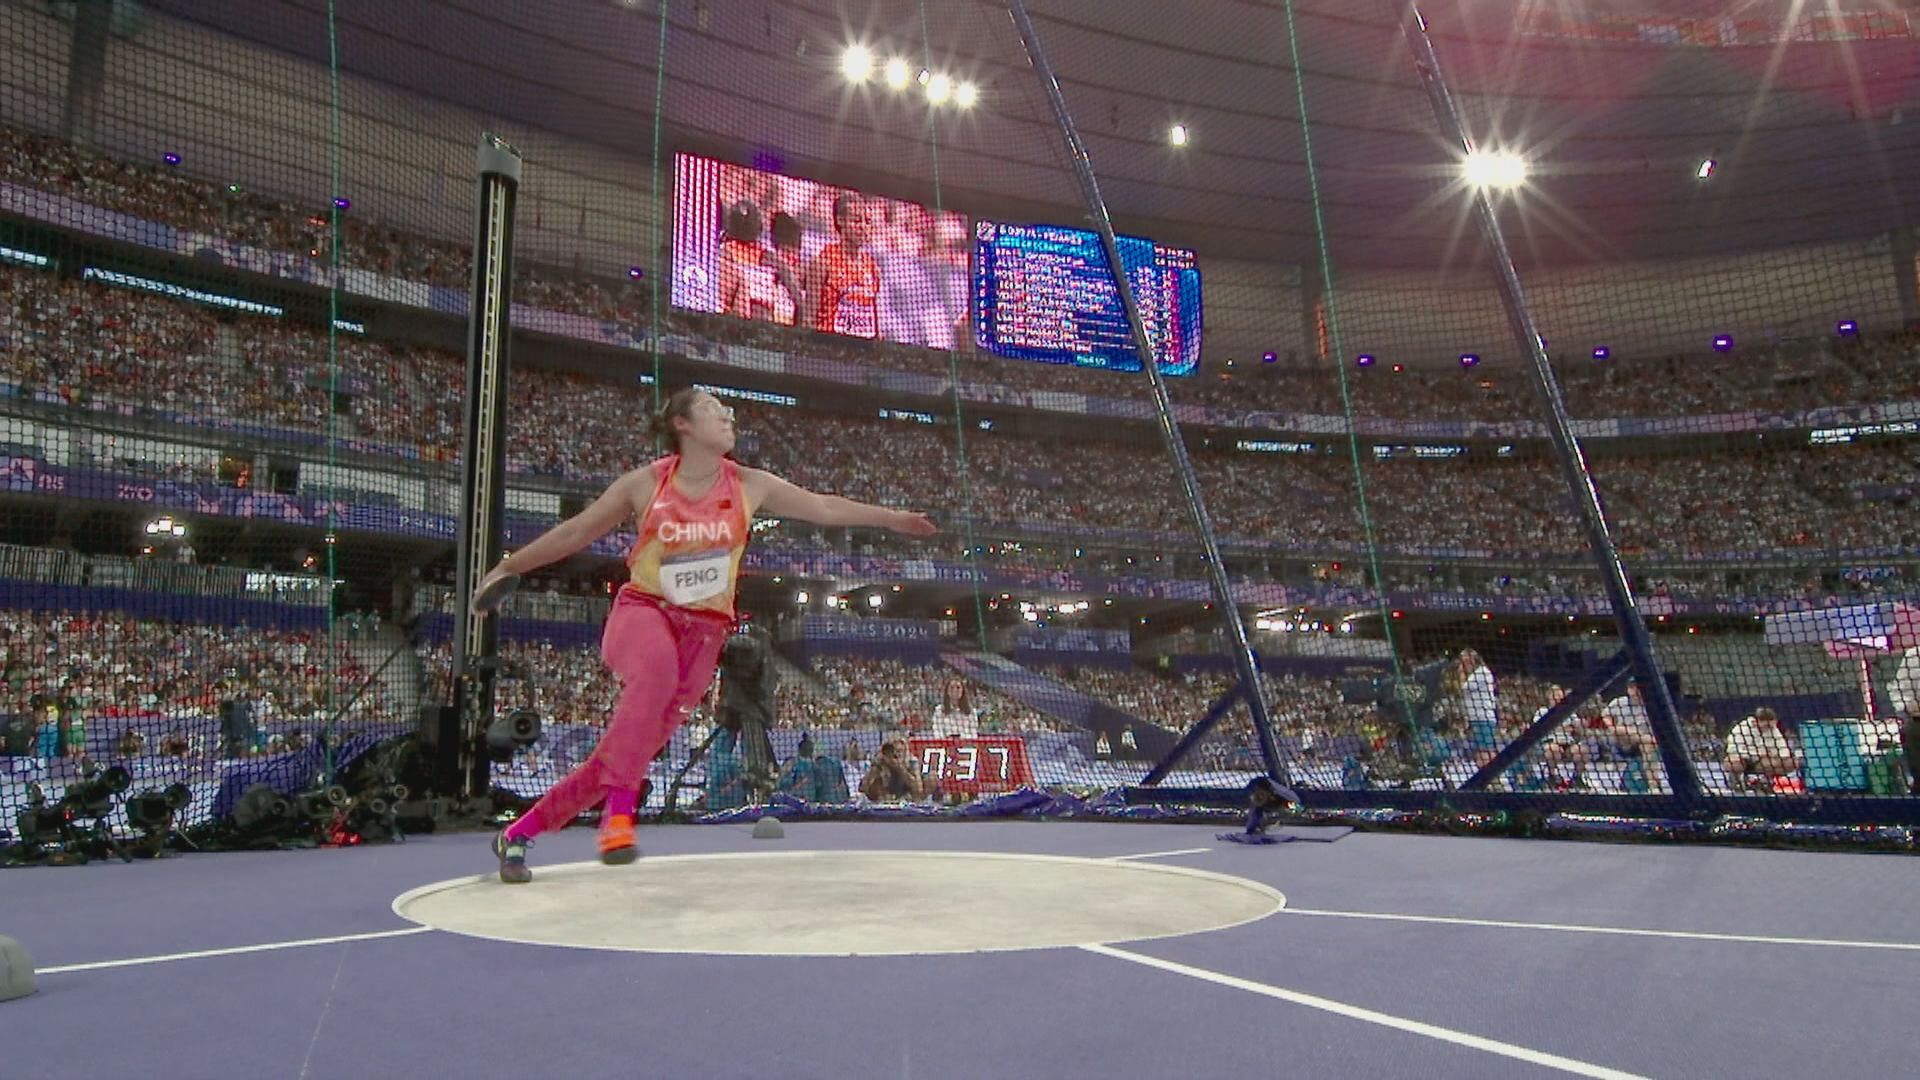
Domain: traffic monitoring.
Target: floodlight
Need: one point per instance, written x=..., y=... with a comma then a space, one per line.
x=1500, y=170
x=856, y=63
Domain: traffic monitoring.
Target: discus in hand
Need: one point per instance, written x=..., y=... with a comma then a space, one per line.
x=493, y=592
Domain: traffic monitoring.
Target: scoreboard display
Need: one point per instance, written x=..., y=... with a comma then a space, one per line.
x=1044, y=292
x=975, y=765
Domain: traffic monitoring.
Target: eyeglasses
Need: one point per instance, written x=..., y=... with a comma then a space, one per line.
x=722, y=411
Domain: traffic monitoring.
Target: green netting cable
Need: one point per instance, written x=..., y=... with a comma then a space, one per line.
x=953, y=373
x=1330, y=298
x=652, y=270
x=333, y=358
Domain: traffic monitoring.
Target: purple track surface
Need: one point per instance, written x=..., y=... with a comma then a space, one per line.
x=433, y=1004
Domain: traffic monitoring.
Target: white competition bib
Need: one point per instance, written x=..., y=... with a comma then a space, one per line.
x=855, y=317
x=689, y=579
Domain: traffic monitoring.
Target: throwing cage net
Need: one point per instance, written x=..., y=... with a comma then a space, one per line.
x=1527, y=439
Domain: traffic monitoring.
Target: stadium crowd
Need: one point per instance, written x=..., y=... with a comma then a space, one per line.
x=169, y=196
x=91, y=346
x=86, y=345
x=103, y=687
x=159, y=687
x=564, y=684
x=1774, y=378
x=861, y=692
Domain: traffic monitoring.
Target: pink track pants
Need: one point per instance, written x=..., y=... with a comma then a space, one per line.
x=664, y=657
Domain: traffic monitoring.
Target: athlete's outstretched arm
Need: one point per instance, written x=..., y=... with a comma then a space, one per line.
x=782, y=499
x=605, y=514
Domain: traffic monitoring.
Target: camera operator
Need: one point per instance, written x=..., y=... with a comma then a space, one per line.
x=747, y=682
x=892, y=777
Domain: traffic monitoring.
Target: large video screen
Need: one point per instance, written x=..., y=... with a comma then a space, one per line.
x=780, y=249
x=1043, y=292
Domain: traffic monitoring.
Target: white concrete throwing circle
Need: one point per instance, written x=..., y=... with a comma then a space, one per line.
x=842, y=903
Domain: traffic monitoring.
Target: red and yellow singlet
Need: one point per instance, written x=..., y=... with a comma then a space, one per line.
x=849, y=293
x=688, y=550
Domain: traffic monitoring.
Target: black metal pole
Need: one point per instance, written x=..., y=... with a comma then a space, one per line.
x=86, y=71
x=483, y=463
x=1244, y=661
x=1573, y=461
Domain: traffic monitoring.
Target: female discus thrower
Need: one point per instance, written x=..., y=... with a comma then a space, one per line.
x=664, y=634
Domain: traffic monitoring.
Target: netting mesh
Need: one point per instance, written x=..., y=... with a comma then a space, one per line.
x=236, y=258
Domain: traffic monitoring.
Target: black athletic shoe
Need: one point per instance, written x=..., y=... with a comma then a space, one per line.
x=513, y=859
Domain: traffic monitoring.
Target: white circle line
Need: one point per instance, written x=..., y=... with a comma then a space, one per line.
x=234, y=950
x=1373, y=1016
x=1625, y=931
x=1279, y=899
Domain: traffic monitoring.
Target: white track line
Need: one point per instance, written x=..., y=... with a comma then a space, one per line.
x=1160, y=854
x=235, y=951
x=1355, y=1012
x=1624, y=931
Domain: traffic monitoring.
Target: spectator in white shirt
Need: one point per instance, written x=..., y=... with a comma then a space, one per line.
x=955, y=717
x=1758, y=752
x=1479, y=707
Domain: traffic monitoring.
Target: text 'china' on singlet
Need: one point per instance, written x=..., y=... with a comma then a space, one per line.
x=688, y=550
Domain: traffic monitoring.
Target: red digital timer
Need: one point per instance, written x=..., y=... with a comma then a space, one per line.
x=979, y=765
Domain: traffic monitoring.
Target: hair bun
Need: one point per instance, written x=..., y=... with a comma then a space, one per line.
x=679, y=405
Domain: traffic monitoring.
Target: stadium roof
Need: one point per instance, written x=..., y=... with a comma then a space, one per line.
x=1813, y=139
